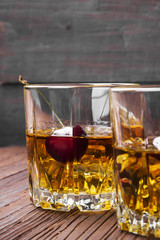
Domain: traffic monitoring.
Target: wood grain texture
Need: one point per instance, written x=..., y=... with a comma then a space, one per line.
x=80, y=40
x=19, y=219
x=12, y=119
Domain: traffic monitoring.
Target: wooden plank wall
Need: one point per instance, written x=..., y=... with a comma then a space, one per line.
x=73, y=41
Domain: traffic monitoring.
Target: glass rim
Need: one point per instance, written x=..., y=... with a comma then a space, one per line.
x=140, y=88
x=76, y=85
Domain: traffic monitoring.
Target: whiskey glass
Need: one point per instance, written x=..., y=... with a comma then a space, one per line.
x=135, y=120
x=69, y=145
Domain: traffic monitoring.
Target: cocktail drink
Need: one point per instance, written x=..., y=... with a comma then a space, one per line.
x=136, y=136
x=69, y=144
x=71, y=169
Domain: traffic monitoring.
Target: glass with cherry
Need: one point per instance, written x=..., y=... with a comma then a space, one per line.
x=69, y=146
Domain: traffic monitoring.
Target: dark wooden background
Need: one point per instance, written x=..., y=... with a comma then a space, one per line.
x=73, y=41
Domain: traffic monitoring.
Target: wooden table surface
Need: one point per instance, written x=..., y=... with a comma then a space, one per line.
x=20, y=219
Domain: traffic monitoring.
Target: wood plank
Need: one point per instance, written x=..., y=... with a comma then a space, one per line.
x=12, y=119
x=20, y=219
x=12, y=162
x=80, y=40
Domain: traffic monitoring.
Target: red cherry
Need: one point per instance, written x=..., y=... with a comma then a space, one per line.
x=78, y=131
x=65, y=149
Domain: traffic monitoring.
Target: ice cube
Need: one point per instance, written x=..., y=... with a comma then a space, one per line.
x=156, y=142
x=98, y=130
x=66, y=131
x=135, y=143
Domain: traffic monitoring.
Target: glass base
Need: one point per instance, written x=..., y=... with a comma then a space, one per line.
x=101, y=202
x=65, y=202
x=144, y=224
